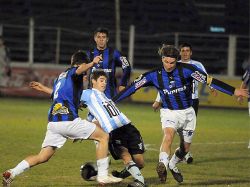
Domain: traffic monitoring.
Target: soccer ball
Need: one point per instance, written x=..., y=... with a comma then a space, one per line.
x=88, y=171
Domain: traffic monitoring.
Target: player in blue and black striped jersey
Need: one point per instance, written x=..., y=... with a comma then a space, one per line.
x=174, y=83
x=64, y=122
x=111, y=59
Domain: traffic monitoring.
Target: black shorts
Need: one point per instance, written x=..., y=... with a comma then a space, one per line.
x=126, y=136
x=195, y=105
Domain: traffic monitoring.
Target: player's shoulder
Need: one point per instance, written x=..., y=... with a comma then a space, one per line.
x=87, y=92
x=195, y=62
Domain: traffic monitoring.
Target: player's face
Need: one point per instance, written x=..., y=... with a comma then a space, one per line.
x=101, y=40
x=169, y=63
x=185, y=54
x=100, y=83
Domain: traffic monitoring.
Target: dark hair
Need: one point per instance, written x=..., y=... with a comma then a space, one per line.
x=79, y=57
x=102, y=30
x=98, y=73
x=185, y=45
x=169, y=51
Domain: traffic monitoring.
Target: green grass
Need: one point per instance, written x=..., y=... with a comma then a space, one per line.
x=221, y=157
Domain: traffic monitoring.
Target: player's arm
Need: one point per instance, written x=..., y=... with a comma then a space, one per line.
x=142, y=81
x=221, y=86
x=157, y=104
x=243, y=85
x=40, y=87
x=126, y=68
x=86, y=66
x=212, y=90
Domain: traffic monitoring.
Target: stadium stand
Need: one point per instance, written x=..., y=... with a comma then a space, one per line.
x=155, y=21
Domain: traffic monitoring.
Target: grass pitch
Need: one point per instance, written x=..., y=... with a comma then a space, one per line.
x=221, y=157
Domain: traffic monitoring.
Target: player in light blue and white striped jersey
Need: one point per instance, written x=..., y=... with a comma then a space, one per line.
x=103, y=110
x=125, y=140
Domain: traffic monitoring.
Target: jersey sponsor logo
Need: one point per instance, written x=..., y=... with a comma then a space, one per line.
x=177, y=90
x=124, y=61
x=100, y=69
x=139, y=83
x=199, y=76
x=59, y=109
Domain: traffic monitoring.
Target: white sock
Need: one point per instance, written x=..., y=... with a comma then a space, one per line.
x=20, y=168
x=103, y=166
x=135, y=171
x=164, y=157
x=173, y=161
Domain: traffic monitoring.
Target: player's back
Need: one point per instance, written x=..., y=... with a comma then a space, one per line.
x=104, y=110
x=66, y=96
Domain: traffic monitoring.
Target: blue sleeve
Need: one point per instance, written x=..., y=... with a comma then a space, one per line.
x=199, y=75
x=142, y=81
x=126, y=68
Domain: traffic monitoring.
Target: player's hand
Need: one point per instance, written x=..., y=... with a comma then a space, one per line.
x=120, y=88
x=97, y=59
x=239, y=92
x=156, y=106
x=36, y=85
x=213, y=92
x=240, y=100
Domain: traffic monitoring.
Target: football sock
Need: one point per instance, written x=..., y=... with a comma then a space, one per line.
x=20, y=168
x=173, y=161
x=164, y=157
x=135, y=171
x=102, y=166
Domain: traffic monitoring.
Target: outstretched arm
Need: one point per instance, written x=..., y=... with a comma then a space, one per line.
x=40, y=87
x=84, y=67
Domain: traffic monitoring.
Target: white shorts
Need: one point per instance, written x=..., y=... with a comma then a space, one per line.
x=58, y=132
x=183, y=121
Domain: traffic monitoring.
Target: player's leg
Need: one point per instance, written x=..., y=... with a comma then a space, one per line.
x=102, y=155
x=165, y=151
x=186, y=133
x=30, y=161
x=126, y=143
x=51, y=141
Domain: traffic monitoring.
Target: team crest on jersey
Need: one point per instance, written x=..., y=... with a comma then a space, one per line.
x=172, y=84
x=140, y=81
x=199, y=77
x=59, y=109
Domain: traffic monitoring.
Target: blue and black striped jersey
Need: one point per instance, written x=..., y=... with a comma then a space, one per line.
x=66, y=96
x=112, y=58
x=175, y=87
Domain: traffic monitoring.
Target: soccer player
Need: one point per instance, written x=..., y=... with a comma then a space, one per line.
x=111, y=59
x=174, y=82
x=125, y=140
x=185, y=54
x=246, y=84
x=64, y=122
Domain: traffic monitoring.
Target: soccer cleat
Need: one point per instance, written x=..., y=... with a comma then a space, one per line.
x=136, y=183
x=162, y=172
x=189, y=159
x=7, y=178
x=176, y=174
x=108, y=179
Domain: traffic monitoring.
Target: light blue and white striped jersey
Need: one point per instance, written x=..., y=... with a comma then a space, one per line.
x=195, y=91
x=103, y=110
